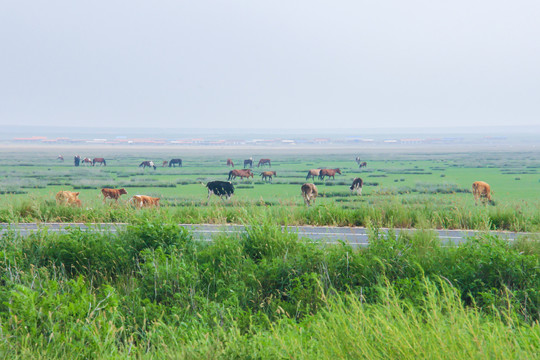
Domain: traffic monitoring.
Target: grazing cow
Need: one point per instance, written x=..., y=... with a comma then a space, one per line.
x=357, y=185
x=309, y=193
x=230, y=163
x=146, y=164
x=243, y=173
x=141, y=201
x=68, y=198
x=112, y=193
x=60, y=157
x=164, y=163
x=76, y=160
x=175, y=162
x=248, y=162
x=101, y=162
x=220, y=188
x=329, y=173
x=264, y=162
x=87, y=161
x=362, y=164
x=481, y=190
x=312, y=173
x=268, y=175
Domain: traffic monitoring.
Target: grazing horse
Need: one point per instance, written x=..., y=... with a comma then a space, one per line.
x=101, y=162
x=146, y=164
x=87, y=161
x=309, y=193
x=357, y=185
x=248, y=162
x=264, y=162
x=175, y=162
x=362, y=164
x=60, y=157
x=243, y=173
x=481, y=190
x=268, y=175
x=164, y=163
x=312, y=173
x=76, y=160
x=220, y=188
x=230, y=163
x=329, y=173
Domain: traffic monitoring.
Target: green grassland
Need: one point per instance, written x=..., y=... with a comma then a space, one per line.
x=407, y=184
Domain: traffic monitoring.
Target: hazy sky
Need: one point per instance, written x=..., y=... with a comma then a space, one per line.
x=277, y=64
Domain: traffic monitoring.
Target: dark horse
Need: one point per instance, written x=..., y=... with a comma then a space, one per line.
x=248, y=162
x=145, y=164
x=77, y=160
x=173, y=162
x=264, y=162
x=101, y=161
x=362, y=164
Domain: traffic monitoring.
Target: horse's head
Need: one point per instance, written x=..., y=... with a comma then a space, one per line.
x=338, y=171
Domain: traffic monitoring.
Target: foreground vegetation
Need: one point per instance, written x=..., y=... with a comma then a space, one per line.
x=151, y=291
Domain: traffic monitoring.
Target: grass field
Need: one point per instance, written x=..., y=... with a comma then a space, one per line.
x=410, y=185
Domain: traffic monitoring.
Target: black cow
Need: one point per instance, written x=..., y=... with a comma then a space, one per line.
x=173, y=162
x=220, y=188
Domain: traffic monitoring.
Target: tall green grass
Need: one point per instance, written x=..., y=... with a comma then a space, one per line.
x=152, y=291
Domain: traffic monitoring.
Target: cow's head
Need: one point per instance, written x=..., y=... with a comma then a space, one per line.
x=122, y=191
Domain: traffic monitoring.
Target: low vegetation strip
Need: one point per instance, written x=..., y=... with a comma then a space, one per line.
x=152, y=291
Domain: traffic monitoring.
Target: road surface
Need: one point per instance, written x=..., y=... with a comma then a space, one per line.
x=356, y=236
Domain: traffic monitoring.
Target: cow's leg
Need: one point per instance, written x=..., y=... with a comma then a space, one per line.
x=210, y=192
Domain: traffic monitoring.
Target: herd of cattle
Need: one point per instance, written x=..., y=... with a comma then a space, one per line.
x=225, y=189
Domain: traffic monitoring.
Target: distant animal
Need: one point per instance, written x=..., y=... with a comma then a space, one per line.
x=76, y=160
x=357, y=185
x=220, y=188
x=68, y=198
x=112, y=193
x=482, y=191
x=230, y=163
x=146, y=164
x=358, y=161
x=267, y=175
x=141, y=201
x=312, y=173
x=242, y=173
x=309, y=193
x=248, y=162
x=165, y=163
x=60, y=157
x=101, y=161
x=175, y=162
x=264, y=162
x=329, y=172
x=362, y=164
x=87, y=161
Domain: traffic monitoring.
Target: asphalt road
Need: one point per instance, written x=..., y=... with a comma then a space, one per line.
x=356, y=236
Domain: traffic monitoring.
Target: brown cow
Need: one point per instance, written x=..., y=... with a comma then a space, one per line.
x=357, y=185
x=268, y=175
x=329, y=172
x=309, y=193
x=141, y=201
x=68, y=198
x=481, y=190
x=112, y=193
x=312, y=173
